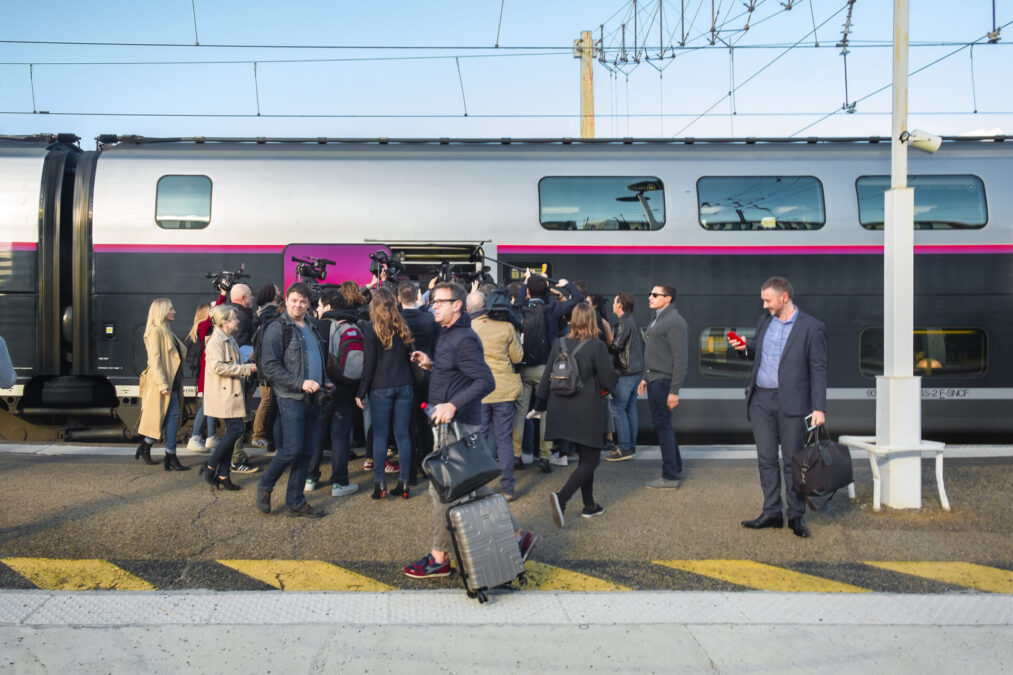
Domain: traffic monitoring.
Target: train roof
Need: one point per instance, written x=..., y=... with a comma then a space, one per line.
x=106, y=142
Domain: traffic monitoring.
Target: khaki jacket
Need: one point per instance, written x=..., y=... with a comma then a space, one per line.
x=223, y=384
x=502, y=349
x=163, y=362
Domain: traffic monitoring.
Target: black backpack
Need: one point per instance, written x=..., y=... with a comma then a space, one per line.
x=499, y=308
x=535, y=335
x=194, y=349
x=564, y=380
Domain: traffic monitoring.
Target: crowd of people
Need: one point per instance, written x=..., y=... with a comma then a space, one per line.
x=537, y=368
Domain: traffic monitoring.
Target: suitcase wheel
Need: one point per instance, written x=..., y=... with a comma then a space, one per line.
x=522, y=579
x=482, y=597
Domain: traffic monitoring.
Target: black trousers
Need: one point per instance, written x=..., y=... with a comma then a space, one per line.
x=583, y=476
x=772, y=428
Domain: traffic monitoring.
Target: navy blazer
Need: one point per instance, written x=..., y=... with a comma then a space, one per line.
x=802, y=373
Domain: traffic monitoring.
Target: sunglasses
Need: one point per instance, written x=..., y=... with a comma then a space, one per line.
x=659, y=295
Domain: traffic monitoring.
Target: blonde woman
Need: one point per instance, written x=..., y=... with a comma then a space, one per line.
x=387, y=379
x=161, y=385
x=223, y=392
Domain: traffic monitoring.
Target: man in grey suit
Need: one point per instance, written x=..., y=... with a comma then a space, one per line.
x=666, y=345
x=788, y=382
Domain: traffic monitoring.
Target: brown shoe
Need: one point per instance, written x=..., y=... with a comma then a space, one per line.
x=264, y=500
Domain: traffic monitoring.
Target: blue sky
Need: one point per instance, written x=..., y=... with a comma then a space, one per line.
x=507, y=92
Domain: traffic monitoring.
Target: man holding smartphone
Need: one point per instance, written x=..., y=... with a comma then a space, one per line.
x=788, y=386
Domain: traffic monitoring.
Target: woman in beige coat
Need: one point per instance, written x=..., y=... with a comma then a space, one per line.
x=223, y=393
x=161, y=385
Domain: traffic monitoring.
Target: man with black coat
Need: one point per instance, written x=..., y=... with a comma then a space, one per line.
x=423, y=327
x=460, y=379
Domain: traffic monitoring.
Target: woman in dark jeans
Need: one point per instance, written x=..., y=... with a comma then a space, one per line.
x=387, y=379
x=577, y=418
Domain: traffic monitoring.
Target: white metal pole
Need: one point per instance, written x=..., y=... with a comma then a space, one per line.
x=898, y=404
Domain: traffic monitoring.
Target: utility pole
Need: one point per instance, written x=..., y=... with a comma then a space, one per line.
x=583, y=49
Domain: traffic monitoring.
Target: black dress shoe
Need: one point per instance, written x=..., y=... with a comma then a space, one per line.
x=797, y=526
x=764, y=521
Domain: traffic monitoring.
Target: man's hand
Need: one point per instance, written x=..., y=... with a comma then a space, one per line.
x=642, y=388
x=443, y=413
x=738, y=345
x=358, y=402
x=310, y=386
x=673, y=400
x=819, y=418
x=422, y=359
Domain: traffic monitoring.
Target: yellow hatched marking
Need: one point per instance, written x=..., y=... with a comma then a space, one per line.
x=761, y=576
x=57, y=574
x=542, y=577
x=305, y=575
x=979, y=577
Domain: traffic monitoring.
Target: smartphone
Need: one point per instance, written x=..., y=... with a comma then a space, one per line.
x=732, y=335
x=809, y=422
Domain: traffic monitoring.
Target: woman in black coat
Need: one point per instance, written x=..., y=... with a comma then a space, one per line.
x=577, y=418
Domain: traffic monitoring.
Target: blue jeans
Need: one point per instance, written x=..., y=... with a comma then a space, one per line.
x=497, y=427
x=198, y=423
x=170, y=424
x=661, y=418
x=384, y=405
x=221, y=459
x=341, y=430
x=299, y=422
x=625, y=395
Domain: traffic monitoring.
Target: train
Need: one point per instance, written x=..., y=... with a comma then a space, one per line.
x=90, y=237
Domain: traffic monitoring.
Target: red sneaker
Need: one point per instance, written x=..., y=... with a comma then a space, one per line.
x=428, y=567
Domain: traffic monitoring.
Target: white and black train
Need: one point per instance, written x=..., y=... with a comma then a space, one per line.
x=89, y=238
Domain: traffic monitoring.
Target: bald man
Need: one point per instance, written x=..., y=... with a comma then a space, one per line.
x=242, y=297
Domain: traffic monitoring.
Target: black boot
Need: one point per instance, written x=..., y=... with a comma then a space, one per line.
x=144, y=452
x=171, y=463
x=207, y=473
x=226, y=483
x=401, y=490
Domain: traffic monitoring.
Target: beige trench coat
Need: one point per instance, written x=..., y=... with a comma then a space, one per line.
x=223, y=383
x=163, y=362
x=502, y=347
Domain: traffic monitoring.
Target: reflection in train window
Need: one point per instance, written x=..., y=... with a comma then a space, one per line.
x=937, y=351
x=718, y=359
x=941, y=202
x=601, y=203
x=183, y=202
x=760, y=203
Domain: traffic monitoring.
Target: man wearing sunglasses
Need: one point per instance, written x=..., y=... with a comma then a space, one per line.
x=666, y=345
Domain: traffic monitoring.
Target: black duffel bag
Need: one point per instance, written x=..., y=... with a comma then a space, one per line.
x=822, y=466
x=458, y=468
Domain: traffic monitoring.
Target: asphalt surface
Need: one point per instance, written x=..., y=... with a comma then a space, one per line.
x=170, y=526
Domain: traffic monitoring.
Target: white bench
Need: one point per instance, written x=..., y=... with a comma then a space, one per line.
x=868, y=443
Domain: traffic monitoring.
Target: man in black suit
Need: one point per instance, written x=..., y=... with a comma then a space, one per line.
x=788, y=382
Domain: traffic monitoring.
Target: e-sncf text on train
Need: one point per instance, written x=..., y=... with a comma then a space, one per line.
x=89, y=238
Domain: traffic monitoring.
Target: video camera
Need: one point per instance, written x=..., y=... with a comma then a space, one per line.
x=380, y=262
x=463, y=275
x=312, y=269
x=224, y=281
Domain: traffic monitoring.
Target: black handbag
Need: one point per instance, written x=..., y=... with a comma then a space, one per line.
x=458, y=468
x=822, y=466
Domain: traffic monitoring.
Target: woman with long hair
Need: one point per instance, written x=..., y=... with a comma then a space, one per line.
x=387, y=379
x=223, y=393
x=161, y=385
x=193, y=341
x=577, y=417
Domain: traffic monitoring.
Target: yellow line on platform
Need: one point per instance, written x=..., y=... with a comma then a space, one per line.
x=542, y=577
x=761, y=576
x=305, y=575
x=969, y=575
x=57, y=574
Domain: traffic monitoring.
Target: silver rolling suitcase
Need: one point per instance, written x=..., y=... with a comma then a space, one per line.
x=487, y=552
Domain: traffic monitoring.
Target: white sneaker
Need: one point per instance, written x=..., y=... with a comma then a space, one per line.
x=343, y=490
x=211, y=443
x=196, y=444
x=260, y=443
x=527, y=458
x=311, y=485
x=558, y=460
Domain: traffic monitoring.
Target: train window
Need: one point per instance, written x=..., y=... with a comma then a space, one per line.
x=937, y=351
x=760, y=203
x=601, y=203
x=183, y=202
x=718, y=359
x=941, y=202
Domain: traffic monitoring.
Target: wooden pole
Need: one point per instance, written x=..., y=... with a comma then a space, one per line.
x=584, y=50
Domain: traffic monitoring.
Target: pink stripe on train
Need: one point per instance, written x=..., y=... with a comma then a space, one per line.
x=746, y=250
x=198, y=248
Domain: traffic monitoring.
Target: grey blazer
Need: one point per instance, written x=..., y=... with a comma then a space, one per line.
x=802, y=373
